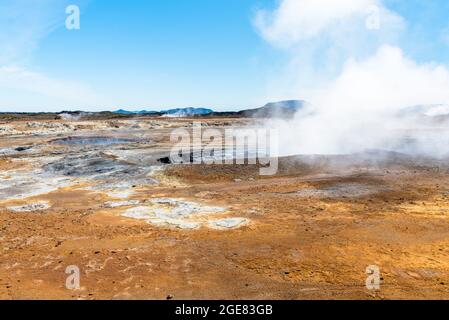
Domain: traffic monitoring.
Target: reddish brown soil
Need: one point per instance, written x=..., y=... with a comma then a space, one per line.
x=296, y=247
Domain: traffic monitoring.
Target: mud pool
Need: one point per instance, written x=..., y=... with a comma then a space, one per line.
x=93, y=141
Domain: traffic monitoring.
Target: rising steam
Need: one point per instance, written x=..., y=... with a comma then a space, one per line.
x=375, y=100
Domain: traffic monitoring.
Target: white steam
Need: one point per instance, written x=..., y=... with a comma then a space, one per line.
x=369, y=104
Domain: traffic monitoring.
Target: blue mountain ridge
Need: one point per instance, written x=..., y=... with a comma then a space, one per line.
x=270, y=108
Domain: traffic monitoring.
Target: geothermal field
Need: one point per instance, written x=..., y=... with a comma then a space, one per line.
x=102, y=196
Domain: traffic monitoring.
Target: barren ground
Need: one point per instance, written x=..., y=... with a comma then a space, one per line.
x=309, y=233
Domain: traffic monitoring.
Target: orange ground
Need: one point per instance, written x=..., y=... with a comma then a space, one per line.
x=298, y=246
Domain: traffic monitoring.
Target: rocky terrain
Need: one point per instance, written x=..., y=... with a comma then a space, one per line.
x=94, y=194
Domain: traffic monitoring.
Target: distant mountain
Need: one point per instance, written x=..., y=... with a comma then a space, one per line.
x=280, y=109
x=186, y=112
x=142, y=112
x=121, y=111
x=178, y=112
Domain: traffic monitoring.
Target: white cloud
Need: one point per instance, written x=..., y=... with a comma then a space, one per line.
x=299, y=20
x=320, y=35
x=357, y=100
x=386, y=81
x=23, y=25
x=67, y=93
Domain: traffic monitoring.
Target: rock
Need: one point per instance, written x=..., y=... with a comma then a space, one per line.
x=21, y=149
x=228, y=223
x=39, y=206
x=112, y=204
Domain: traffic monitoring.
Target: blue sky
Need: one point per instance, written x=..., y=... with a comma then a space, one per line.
x=158, y=54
